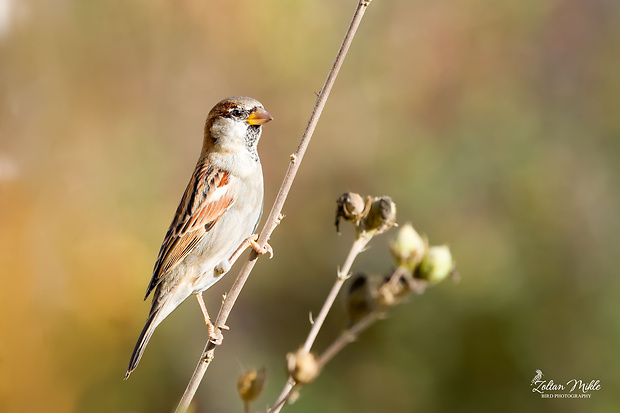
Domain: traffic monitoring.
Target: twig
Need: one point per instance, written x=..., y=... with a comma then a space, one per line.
x=343, y=274
x=358, y=246
x=341, y=342
x=276, y=209
x=290, y=388
x=348, y=337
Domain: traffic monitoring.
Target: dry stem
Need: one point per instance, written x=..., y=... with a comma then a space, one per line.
x=348, y=337
x=343, y=274
x=272, y=220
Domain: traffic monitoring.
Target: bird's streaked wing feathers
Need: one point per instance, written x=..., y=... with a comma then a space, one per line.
x=205, y=200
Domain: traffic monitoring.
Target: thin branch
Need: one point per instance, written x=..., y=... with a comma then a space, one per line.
x=287, y=392
x=348, y=337
x=343, y=274
x=273, y=219
x=341, y=342
x=379, y=294
x=358, y=246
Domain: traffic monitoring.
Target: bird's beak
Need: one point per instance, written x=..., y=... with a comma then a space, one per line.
x=259, y=116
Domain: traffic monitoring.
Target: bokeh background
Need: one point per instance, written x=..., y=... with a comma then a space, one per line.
x=494, y=126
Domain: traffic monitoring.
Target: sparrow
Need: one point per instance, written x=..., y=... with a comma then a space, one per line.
x=218, y=214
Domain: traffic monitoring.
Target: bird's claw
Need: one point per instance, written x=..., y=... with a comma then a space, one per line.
x=215, y=334
x=261, y=250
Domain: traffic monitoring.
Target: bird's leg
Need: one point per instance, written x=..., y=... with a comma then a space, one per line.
x=215, y=334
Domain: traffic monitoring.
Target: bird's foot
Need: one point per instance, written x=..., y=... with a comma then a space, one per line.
x=215, y=333
x=248, y=242
x=261, y=250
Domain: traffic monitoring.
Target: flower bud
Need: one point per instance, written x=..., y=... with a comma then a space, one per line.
x=436, y=265
x=381, y=216
x=250, y=384
x=302, y=366
x=408, y=248
x=350, y=207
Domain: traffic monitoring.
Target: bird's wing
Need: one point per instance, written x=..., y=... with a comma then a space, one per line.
x=204, y=202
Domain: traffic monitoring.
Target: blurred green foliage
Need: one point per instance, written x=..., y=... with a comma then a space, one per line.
x=494, y=126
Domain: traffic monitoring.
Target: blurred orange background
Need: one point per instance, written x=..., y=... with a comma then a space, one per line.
x=494, y=126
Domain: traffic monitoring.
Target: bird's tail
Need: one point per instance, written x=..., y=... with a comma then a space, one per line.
x=155, y=317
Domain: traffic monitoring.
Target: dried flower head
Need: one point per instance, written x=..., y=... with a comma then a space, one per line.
x=361, y=297
x=392, y=290
x=381, y=216
x=251, y=383
x=302, y=366
x=350, y=207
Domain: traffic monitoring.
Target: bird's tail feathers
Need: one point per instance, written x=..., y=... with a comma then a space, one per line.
x=155, y=317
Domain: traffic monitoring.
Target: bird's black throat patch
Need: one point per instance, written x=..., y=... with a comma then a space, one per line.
x=251, y=140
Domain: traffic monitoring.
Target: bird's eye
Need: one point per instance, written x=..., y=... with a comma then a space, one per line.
x=236, y=112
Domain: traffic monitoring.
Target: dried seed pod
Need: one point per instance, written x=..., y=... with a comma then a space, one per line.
x=387, y=298
x=361, y=297
x=251, y=383
x=390, y=292
x=350, y=207
x=302, y=366
x=381, y=216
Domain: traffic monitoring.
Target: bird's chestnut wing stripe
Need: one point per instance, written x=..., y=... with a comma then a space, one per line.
x=205, y=200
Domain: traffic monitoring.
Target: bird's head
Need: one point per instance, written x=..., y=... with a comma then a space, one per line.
x=235, y=122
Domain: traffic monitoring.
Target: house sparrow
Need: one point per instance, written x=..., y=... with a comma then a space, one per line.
x=219, y=212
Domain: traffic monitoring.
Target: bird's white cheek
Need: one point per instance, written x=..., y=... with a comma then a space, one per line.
x=238, y=131
x=228, y=132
